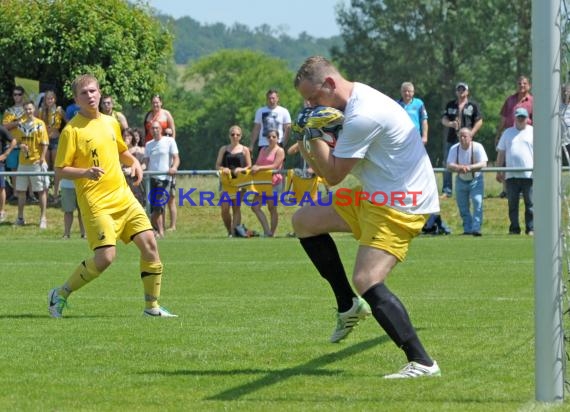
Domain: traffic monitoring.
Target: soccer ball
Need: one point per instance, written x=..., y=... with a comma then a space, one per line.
x=298, y=126
x=323, y=123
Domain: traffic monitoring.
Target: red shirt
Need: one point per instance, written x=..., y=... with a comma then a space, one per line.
x=160, y=117
x=511, y=104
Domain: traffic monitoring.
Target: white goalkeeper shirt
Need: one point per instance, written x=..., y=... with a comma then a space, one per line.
x=378, y=131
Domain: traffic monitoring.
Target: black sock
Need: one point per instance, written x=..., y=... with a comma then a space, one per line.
x=323, y=253
x=393, y=318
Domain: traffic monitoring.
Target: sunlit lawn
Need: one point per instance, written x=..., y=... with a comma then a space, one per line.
x=254, y=324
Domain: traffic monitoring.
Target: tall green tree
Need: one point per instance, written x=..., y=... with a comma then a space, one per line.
x=435, y=44
x=228, y=87
x=54, y=40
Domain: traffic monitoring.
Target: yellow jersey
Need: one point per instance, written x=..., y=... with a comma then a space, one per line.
x=85, y=143
x=12, y=114
x=52, y=117
x=32, y=133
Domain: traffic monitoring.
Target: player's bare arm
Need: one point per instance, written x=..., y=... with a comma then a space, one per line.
x=72, y=173
x=333, y=169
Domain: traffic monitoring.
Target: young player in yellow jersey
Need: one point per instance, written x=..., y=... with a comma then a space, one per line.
x=90, y=152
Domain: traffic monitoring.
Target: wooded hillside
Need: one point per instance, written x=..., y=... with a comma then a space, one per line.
x=193, y=40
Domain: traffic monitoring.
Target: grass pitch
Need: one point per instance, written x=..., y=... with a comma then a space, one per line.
x=254, y=324
x=253, y=330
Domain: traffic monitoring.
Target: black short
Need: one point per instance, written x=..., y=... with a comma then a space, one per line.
x=165, y=185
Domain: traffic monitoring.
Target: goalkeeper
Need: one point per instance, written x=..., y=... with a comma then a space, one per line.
x=380, y=146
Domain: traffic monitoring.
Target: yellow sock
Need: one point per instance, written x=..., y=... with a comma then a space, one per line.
x=83, y=274
x=151, y=275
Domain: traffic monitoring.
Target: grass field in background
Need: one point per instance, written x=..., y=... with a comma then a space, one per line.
x=206, y=221
x=254, y=324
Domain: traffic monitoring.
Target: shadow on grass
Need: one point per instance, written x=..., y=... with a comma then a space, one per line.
x=24, y=316
x=47, y=316
x=274, y=376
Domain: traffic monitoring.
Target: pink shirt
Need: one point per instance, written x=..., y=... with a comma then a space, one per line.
x=266, y=159
x=511, y=104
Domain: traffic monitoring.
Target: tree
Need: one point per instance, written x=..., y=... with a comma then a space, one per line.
x=435, y=44
x=228, y=87
x=54, y=40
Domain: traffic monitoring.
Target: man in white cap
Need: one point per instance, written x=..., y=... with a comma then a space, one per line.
x=458, y=113
x=515, y=149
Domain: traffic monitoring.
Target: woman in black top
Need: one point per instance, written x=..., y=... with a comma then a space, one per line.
x=232, y=159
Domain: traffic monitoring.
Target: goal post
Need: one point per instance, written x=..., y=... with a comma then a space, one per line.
x=549, y=331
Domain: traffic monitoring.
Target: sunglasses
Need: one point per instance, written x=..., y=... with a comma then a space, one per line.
x=235, y=134
x=17, y=94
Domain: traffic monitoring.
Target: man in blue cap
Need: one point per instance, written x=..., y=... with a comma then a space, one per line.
x=515, y=149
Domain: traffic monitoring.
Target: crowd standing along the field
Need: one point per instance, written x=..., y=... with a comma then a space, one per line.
x=458, y=113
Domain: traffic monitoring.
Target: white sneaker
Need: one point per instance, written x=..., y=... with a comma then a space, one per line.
x=43, y=223
x=415, y=370
x=159, y=312
x=56, y=303
x=346, y=321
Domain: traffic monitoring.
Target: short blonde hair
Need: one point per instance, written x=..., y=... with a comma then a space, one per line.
x=81, y=81
x=315, y=69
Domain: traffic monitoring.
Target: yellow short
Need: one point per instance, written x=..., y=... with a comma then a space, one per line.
x=104, y=230
x=378, y=226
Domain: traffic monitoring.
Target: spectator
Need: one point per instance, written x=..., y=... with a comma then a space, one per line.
x=90, y=153
x=166, y=121
x=232, y=159
x=467, y=158
x=515, y=149
x=381, y=147
x=10, y=120
x=415, y=108
x=7, y=145
x=69, y=205
x=107, y=107
x=161, y=155
x=521, y=98
x=31, y=134
x=270, y=157
x=53, y=117
x=160, y=115
x=270, y=117
x=14, y=114
x=132, y=140
x=459, y=113
x=138, y=140
x=71, y=111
